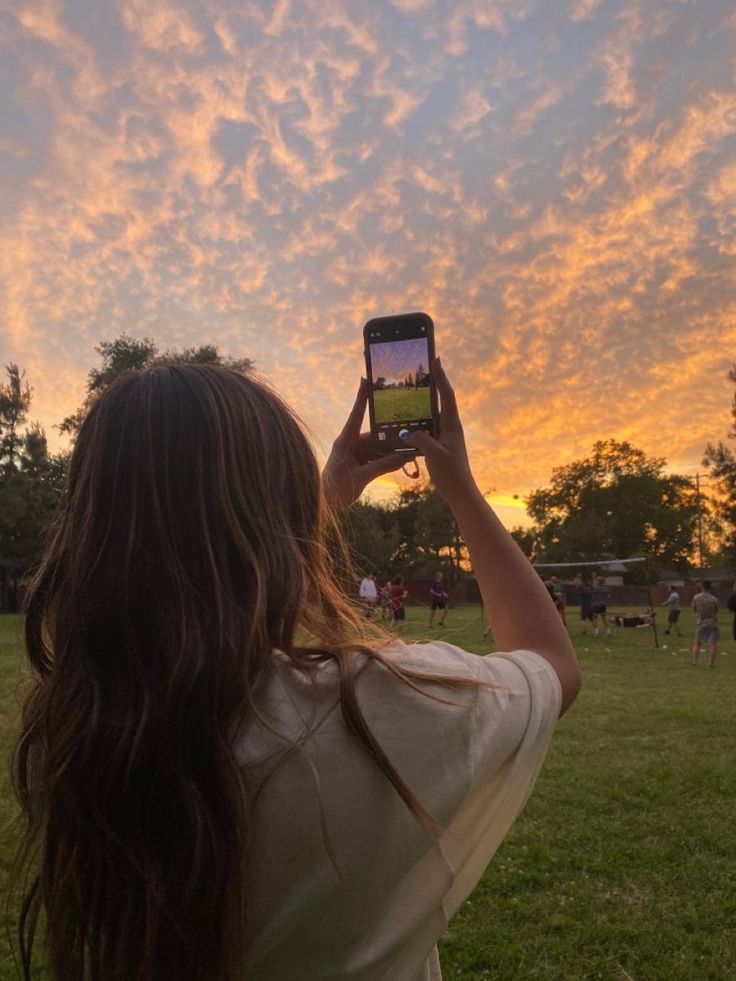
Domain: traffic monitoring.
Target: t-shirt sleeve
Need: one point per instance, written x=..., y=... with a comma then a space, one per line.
x=470, y=755
x=497, y=794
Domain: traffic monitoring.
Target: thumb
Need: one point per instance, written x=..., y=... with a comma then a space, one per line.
x=383, y=465
x=425, y=443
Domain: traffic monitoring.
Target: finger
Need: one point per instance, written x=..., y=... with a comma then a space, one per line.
x=425, y=443
x=381, y=466
x=448, y=402
x=351, y=429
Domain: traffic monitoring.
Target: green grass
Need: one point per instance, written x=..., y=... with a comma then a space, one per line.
x=397, y=404
x=622, y=864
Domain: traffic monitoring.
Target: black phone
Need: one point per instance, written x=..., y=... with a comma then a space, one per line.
x=401, y=392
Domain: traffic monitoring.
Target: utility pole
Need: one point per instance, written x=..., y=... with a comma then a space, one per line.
x=699, y=505
x=700, y=520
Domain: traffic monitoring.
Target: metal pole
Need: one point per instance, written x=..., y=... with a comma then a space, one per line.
x=651, y=604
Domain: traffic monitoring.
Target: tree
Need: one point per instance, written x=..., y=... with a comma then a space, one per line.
x=31, y=485
x=524, y=538
x=372, y=533
x=429, y=537
x=437, y=540
x=616, y=503
x=15, y=400
x=721, y=461
x=126, y=353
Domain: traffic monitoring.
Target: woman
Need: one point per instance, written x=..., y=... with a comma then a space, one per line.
x=224, y=777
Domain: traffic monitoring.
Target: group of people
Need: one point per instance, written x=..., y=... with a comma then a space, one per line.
x=594, y=611
x=391, y=598
x=593, y=602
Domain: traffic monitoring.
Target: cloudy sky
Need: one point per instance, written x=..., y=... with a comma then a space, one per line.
x=553, y=181
x=394, y=360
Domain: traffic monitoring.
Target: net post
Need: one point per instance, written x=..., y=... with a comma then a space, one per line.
x=651, y=602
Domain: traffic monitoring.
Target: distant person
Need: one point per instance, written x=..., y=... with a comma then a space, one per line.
x=384, y=601
x=732, y=608
x=557, y=592
x=706, y=622
x=398, y=597
x=438, y=595
x=673, y=602
x=585, y=594
x=644, y=619
x=600, y=605
x=368, y=594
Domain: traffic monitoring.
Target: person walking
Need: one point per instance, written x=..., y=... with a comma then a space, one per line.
x=673, y=602
x=706, y=622
x=600, y=606
x=438, y=595
x=224, y=770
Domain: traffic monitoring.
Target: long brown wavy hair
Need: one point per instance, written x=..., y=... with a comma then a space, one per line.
x=191, y=544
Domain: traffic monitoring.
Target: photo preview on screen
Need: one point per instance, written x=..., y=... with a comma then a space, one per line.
x=401, y=380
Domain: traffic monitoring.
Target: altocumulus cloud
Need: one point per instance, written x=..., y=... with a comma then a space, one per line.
x=554, y=183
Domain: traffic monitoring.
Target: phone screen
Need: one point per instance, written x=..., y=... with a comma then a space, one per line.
x=401, y=394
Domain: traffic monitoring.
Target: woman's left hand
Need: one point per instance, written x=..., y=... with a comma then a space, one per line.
x=353, y=462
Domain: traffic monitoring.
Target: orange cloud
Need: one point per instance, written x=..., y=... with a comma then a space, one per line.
x=269, y=181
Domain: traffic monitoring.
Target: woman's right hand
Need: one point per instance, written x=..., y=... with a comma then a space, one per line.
x=447, y=457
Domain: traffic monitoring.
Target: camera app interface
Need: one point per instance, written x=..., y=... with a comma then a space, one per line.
x=400, y=380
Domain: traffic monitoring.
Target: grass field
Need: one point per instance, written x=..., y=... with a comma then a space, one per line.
x=395, y=404
x=623, y=865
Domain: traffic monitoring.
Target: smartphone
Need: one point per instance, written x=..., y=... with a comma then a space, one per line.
x=401, y=392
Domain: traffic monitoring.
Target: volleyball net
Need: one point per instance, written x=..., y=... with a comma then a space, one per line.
x=611, y=565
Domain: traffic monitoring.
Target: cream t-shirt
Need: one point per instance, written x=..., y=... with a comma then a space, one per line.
x=343, y=883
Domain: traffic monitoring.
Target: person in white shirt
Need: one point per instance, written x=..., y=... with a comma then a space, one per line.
x=224, y=771
x=707, y=630
x=368, y=593
x=673, y=602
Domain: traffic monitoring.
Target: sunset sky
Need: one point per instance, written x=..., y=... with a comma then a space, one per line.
x=553, y=181
x=394, y=360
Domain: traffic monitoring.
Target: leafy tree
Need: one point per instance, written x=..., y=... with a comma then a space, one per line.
x=372, y=532
x=429, y=537
x=438, y=541
x=721, y=460
x=31, y=484
x=126, y=353
x=15, y=400
x=615, y=504
x=524, y=538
